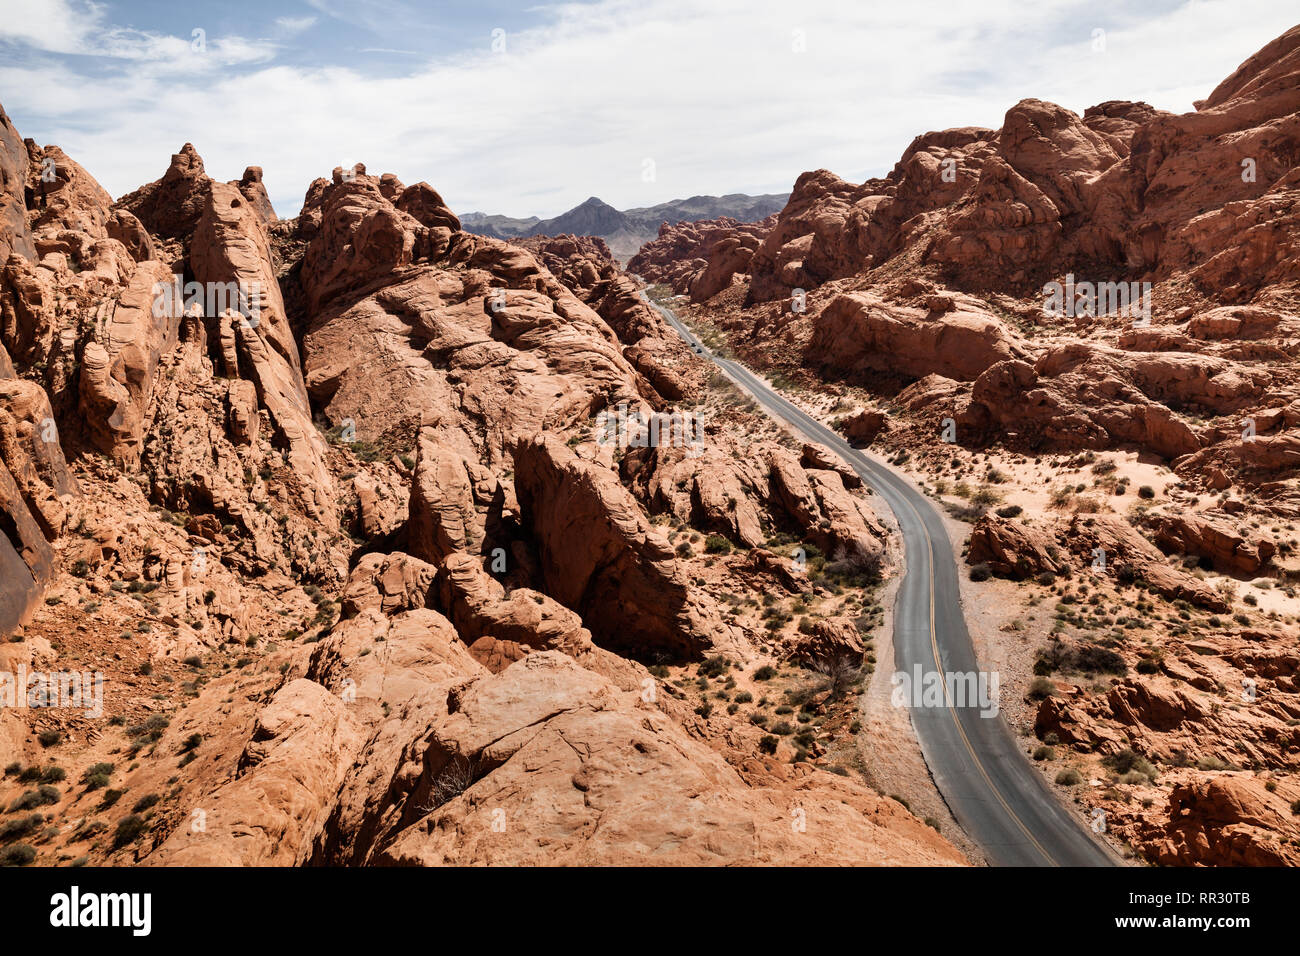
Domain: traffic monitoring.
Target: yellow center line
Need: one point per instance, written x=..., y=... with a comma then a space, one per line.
x=934, y=646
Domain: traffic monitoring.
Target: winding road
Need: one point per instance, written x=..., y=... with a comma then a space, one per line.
x=996, y=795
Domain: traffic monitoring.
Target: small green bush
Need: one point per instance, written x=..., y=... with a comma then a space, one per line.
x=717, y=544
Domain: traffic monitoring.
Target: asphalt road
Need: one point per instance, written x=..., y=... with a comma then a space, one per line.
x=994, y=792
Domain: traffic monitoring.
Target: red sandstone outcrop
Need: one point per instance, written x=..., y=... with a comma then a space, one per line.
x=416, y=324
x=1225, y=547
x=858, y=332
x=585, y=265
x=1223, y=820
x=600, y=557
x=33, y=478
x=1011, y=549
x=700, y=258
x=1129, y=554
x=230, y=249
x=15, y=234
x=170, y=207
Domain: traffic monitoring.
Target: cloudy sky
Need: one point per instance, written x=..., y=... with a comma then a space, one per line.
x=528, y=109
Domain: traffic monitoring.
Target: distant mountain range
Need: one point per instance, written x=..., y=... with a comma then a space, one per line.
x=627, y=230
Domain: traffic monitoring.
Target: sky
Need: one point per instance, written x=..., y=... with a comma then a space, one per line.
x=528, y=109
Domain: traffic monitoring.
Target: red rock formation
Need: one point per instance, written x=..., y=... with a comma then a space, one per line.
x=858, y=332
x=15, y=234
x=1223, y=546
x=1012, y=550
x=700, y=258
x=1224, y=820
x=600, y=557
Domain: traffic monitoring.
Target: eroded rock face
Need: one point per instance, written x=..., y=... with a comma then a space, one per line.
x=26, y=556
x=585, y=265
x=230, y=250
x=453, y=502
x=1123, y=183
x=119, y=364
x=480, y=342
x=170, y=207
x=700, y=258
x=600, y=556
x=15, y=234
x=1012, y=550
x=1125, y=547
x=1218, y=542
x=858, y=332
x=1225, y=820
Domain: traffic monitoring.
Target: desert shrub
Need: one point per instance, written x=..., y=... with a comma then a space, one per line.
x=128, y=830
x=1041, y=687
x=97, y=775
x=20, y=854
x=1212, y=763
x=452, y=780
x=766, y=672
x=980, y=572
x=1044, y=753
x=145, y=802
x=1099, y=659
x=1129, y=761
x=1010, y=511
x=1069, y=778
x=1148, y=665
x=717, y=544
x=21, y=826
x=1147, y=492
x=713, y=667
x=767, y=744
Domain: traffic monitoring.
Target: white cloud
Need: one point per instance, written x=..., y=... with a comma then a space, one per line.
x=714, y=93
x=81, y=29
x=295, y=24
